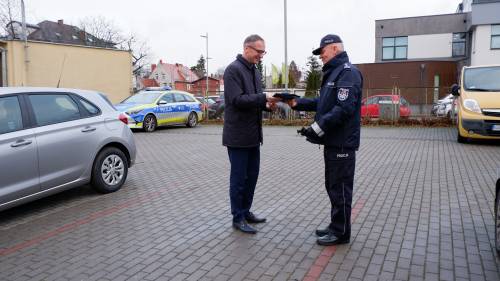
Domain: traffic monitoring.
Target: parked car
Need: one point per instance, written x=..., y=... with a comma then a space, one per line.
x=478, y=103
x=370, y=107
x=217, y=108
x=152, y=108
x=215, y=98
x=445, y=107
x=497, y=214
x=54, y=139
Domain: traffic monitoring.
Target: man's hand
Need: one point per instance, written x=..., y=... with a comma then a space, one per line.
x=271, y=106
x=273, y=99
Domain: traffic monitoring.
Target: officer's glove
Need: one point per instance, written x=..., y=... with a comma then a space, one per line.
x=313, y=133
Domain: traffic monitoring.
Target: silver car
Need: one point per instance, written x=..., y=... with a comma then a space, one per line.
x=54, y=139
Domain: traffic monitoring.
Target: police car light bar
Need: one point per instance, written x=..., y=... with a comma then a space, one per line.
x=164, y=88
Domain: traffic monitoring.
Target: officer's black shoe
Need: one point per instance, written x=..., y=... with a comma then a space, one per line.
x=251, y=218
x=244, y=227
x=330, y=239
x=322, y=231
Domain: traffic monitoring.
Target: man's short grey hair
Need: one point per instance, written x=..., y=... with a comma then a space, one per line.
x=340, y=46
x=252, y=39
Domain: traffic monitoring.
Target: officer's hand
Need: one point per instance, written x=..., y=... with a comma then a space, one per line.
x=307, y=132
x=292, y=103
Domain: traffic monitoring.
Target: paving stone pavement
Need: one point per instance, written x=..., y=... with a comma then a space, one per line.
x=424, y=208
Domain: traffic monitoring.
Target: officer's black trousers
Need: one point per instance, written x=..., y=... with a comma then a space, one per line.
x=339, y=178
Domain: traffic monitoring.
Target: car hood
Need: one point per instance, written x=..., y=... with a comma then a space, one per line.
x=485, y=99
x=130, y=106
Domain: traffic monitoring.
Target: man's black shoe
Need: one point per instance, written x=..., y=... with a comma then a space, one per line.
x=322, y=232
x=330, y=239
x=244, y=227
x=251, y=218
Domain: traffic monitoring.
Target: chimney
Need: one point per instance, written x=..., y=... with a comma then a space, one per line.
x=60, y=22
x=83, y=35
x=153, y=66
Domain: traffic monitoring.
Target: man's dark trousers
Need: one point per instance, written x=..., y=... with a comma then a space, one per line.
x=245, y=164
x=339, y=179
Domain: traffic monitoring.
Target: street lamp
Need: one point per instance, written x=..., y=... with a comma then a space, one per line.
x=286, y=54
x=206, y=90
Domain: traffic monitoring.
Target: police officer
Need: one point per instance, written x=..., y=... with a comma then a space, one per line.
x=337, y=127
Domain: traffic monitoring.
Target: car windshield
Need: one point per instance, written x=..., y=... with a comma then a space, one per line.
x=143, y=97
x=485, y=79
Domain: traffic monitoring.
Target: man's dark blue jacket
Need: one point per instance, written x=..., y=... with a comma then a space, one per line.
x=244, y=102
x=338, y=109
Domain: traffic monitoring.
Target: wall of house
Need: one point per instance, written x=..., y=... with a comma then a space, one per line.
x=481, y=53
x=430, y=46
x=425, y=25
x=485, y=13
x=161, y=76
x=105, y=70
x=199, y=87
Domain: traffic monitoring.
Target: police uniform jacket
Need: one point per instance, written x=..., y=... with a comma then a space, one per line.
x=244, y=102
x=338, y=108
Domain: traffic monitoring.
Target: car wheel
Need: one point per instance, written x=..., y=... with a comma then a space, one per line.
x=497, y=220
x=192, y=120
x=110, y=170
x=149, y=124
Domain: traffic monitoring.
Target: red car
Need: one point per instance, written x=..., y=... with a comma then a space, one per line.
x=370, y=107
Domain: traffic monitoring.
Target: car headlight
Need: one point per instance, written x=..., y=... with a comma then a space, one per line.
x=472, y=105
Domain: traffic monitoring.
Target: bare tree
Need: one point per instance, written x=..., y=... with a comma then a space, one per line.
x=140, y=52
x=102, y=28
x=10, y=10
x=107, y=31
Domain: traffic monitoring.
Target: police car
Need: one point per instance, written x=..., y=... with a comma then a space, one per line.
x=155, y=107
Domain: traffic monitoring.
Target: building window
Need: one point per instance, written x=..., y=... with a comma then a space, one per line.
x=394, y=48
x=458, y=45
x=495, y=36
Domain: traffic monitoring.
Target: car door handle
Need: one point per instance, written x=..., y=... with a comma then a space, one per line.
x=88, y=129
x=21, y=143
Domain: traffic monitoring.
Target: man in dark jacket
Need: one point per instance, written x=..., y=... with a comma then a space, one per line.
x=242, y=133
x=337, y=127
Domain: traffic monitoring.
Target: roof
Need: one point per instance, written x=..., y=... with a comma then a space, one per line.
x=58, y=32
x=178, y=71
x=204, y=78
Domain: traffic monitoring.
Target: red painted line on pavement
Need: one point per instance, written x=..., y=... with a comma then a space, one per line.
x=77, y=223
x=320, y=263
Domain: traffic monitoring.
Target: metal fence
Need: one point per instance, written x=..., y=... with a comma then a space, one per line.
x=377, y=103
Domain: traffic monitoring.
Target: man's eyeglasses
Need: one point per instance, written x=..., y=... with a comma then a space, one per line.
x=261, y=52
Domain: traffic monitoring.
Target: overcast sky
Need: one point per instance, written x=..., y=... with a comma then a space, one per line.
x=173, y=27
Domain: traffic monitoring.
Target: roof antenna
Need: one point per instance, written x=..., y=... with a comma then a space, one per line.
x=62, y=68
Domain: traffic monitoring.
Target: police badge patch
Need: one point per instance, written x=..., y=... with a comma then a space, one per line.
x=343, y=94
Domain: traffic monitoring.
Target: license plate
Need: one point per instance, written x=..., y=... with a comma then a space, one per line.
x=495, y=128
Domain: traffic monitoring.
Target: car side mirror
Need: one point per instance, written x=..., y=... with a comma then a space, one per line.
x=162, y=102
x=455, y=90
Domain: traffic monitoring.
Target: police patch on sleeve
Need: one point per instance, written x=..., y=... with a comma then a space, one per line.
x=343, y=94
